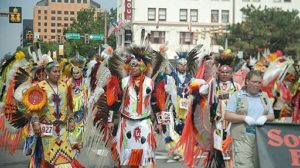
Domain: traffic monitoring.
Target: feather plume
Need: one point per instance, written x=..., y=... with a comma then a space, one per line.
x=32, y=54
x=192, y=60
x=21, y=77
x=158, y=63
x=113, y=90
x=116, y=65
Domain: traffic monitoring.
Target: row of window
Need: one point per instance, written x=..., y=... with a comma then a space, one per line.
x=159, y=37
x=70, y=1
x=183, y=15
x=52, y=30
x=57, y=12
x=53, y=24
x=57, y=18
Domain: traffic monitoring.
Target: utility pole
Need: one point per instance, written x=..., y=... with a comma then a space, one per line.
x=105, y=27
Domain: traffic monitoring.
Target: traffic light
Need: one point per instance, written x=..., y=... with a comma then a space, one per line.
x=15, y=14
x=29, y=36
x=86, y=39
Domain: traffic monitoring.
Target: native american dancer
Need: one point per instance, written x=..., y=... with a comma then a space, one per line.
x=40, y=110
x=123, y=93
x=210, y=94
x=80, y=95
x=280, y=83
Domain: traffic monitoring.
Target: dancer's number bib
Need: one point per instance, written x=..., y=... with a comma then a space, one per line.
x=46, y=129
x=183, y=104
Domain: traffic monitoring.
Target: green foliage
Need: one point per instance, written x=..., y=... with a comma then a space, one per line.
x=273, y=27
x=87, y=23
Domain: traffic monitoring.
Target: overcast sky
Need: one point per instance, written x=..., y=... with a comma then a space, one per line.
x=10, y=33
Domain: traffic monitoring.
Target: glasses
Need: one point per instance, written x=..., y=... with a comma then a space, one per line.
x=256, y=82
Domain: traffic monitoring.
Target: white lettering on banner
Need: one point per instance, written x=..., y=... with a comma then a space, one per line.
x=46, y=129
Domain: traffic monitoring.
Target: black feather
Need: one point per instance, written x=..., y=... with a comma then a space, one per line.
x=192, y=60
x=6, y=62
x=102, y=114
x=18, y=119
x=156, y=62
x=21, y=77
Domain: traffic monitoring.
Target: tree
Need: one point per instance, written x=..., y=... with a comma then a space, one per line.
x=87, y=23
x=270, y=27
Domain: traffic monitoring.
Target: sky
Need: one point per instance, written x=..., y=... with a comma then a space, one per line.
x=10, y=32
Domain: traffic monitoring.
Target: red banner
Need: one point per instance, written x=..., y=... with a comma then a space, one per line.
x=128, y=9
x=278, y=145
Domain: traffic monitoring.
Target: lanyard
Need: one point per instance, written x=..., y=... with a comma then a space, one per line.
x=56, y=100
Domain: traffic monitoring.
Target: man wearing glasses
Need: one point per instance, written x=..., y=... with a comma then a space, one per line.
x=246, y=109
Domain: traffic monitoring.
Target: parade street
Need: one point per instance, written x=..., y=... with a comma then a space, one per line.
x=18, y=160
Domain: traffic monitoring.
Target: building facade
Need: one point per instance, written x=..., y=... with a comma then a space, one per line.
x=52, y=16
x=183, y=24
x=26, y=37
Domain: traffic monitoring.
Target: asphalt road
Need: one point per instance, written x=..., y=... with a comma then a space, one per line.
x=19, y=160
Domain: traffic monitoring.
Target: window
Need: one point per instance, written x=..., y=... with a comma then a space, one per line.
x=39, y=17
x=72, y=12
x=58, y=24
x=39, y=23
x=53, y=0
x=45, y=30
x=45, y=17
x=45, y=37
x=53, y=12
x=59, y=12
x=52, y=37
x=66, y=12
x=45, y=11
x=52, y=18
x=214, y=16
x=72, y=18
x=194, y=15
x=66, y=1
x=66, y=25
x=78, y=1
x=52, y=30
x=157, y=37
x=277, y=0
x=58, y=0
x=162, y=14
x=128, y=36
x=84, y=1
x=72, y=1
x=225, y=16
x=39, y=30
x=186, y=38
x=58, y=18
x=287, y=0
x=45, y=24
x=183, y=15
x=58, y=30
x=151, y=14
x=66, y=18
x=52, y=24
x=39, y=12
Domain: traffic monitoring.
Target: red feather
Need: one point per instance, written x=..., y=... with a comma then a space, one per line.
x=113, y=90
x=160, y=95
